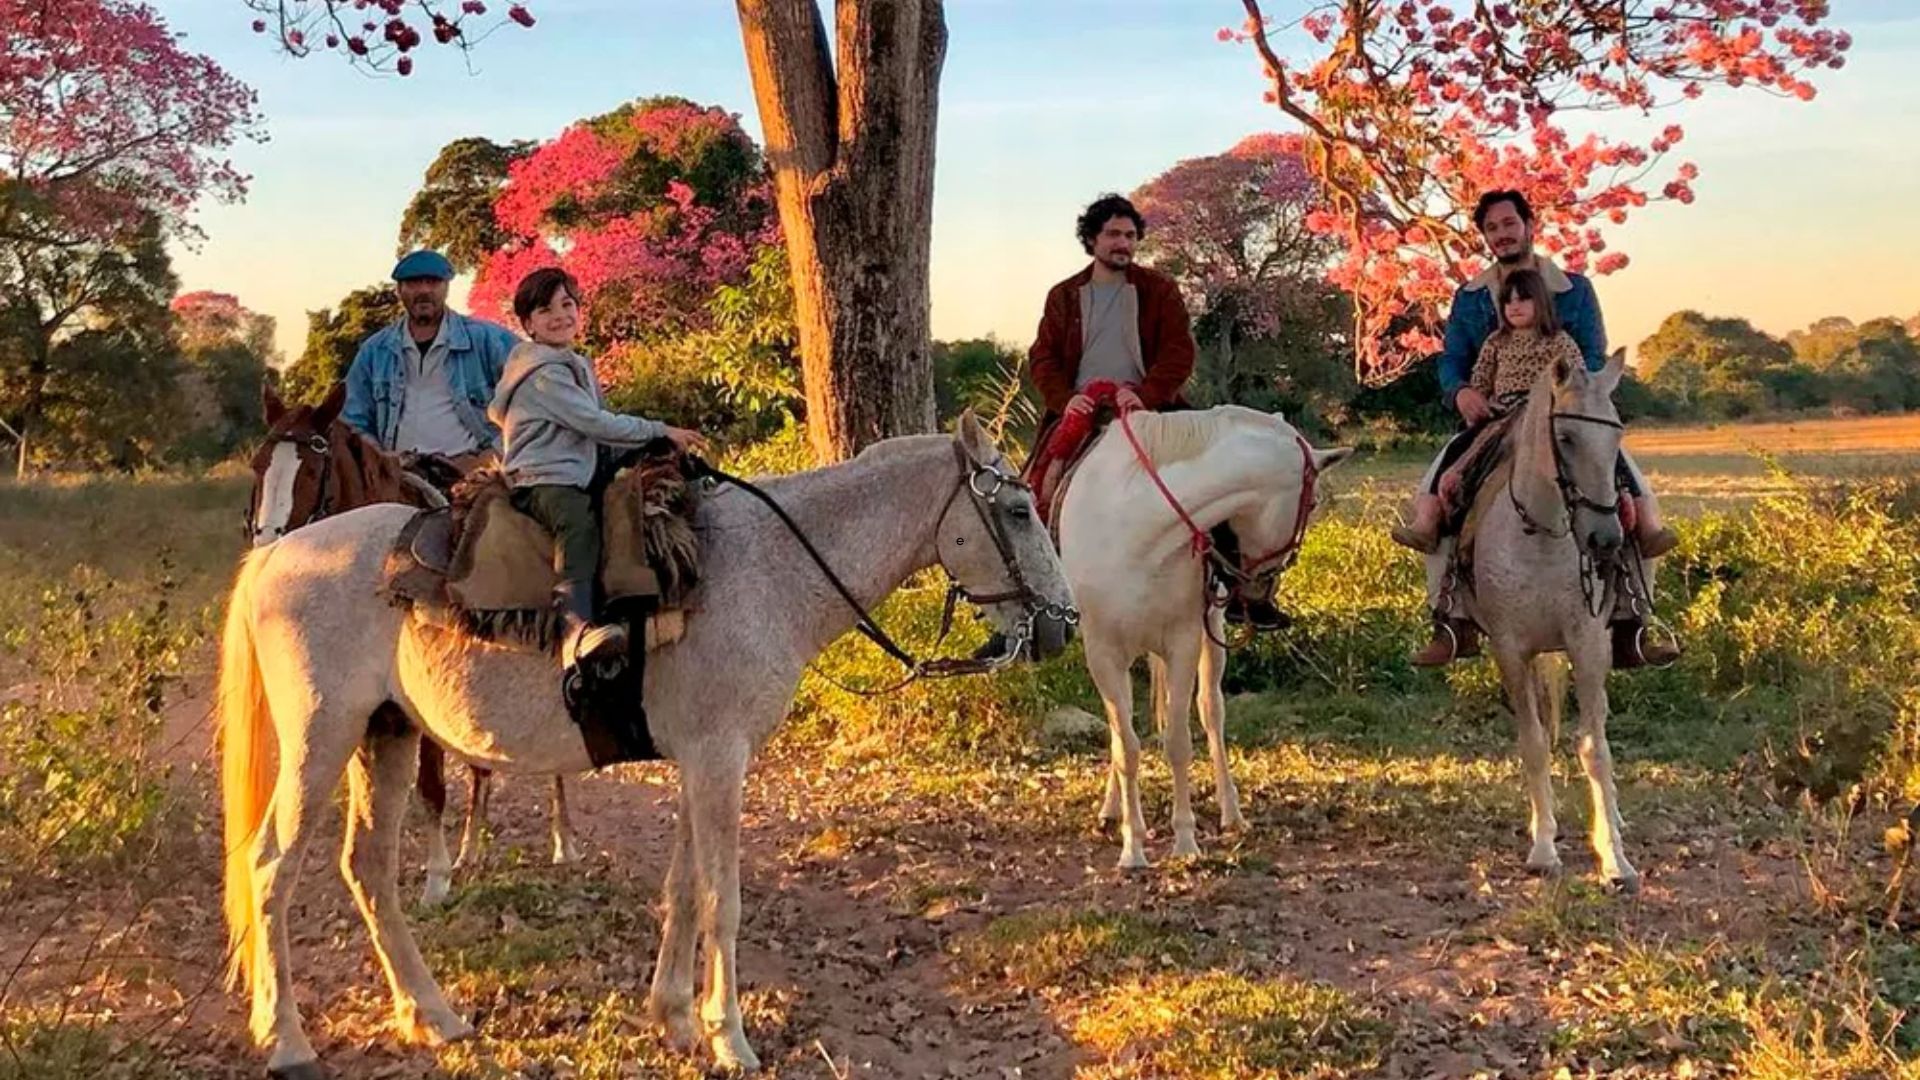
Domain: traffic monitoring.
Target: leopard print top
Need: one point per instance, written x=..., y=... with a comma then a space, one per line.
x=1510, y=361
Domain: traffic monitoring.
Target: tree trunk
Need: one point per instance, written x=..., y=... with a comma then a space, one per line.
x=851, y=142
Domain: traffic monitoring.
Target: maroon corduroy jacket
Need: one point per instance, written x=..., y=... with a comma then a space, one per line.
x=1166, y=340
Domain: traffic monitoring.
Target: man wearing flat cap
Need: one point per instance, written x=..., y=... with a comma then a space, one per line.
x=421, y=386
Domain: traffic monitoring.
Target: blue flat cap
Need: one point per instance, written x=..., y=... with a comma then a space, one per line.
x=423, y=264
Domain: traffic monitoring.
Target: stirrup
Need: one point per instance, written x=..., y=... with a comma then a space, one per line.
x=594, y=643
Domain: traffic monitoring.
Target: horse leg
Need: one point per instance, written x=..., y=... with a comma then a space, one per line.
x=1524, y=693
x=670, y=1000
x=564, y=848
x=1213, y=717
x=473, y=841
x=1115, y=682
x=432, y=785
x=1173, y=678
x=370, y=861
x=303, y=789
x=1110, y=802
x=712, y=792
x=1592, y=661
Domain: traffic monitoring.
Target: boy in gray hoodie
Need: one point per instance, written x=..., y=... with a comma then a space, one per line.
x=553, y=420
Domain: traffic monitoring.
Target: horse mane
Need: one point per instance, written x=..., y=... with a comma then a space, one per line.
x=1181, y=436
x=380, y=472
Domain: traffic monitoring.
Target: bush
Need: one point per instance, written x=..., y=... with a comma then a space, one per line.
x=79, y=783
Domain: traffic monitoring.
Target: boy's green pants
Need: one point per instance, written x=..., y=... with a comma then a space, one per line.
x=567, y=513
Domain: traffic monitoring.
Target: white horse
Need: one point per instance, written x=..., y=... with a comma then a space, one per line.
x=1131, y=560
x=1542, y=527
x=311, y=649
x=310, y=465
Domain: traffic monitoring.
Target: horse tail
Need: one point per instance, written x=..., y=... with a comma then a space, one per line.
x=247, y=773
x=1550, y=691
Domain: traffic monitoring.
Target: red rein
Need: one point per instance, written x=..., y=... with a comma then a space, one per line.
x=1201, y=543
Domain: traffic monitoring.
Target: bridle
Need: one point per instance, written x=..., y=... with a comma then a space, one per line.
x=1267, y=567
x=1571, y=497
x=322, y=448
x=982, y=484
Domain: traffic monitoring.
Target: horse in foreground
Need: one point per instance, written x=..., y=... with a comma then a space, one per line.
x=1132, y=547
x=310, y=651
x=312, y=465
x=1544, y=549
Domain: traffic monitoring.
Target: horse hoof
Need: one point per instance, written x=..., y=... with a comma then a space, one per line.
x=421, y=1031
x=1186, y=848
x=1543, y=868
x=305, y=1070
x=437, y=891
x=732, y=1055
x=1235, y=823
x=1132, y=862
x=676, y=1024
x=1627, y=884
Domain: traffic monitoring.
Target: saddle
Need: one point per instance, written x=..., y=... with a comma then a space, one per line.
x=484, y=569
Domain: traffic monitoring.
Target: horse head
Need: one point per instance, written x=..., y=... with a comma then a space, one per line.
x=1584, y=431
x=1271, y=533
x=992, y=543
x=292, y=467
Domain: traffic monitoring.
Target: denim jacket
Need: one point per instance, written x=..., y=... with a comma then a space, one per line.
x=1473, y=320
x=377, y=381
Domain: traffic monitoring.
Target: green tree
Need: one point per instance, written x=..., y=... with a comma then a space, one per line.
x=1875, y=368
x=739, y=378
x=453, y=210
x=1724, y=369
x=88, y=360
x=334, y=336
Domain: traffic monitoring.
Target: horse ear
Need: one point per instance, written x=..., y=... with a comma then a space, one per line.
x=329, y=410
x=1327, y=459
x=1563, y=369
x=271, y=405
x=1610, y=375
x=974, y=440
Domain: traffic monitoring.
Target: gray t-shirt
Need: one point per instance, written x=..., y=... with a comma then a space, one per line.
x=1110, y=345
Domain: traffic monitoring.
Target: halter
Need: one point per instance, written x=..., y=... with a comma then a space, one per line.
x=983, y=484
x=322, y=447
x=1571, y=497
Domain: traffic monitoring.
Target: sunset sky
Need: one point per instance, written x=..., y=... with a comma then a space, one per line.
x=1804, y=210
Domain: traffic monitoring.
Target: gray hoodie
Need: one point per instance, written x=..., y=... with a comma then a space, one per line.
x=552, y=418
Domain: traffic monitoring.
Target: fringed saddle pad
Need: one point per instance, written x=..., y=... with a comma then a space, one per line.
x=484, y=569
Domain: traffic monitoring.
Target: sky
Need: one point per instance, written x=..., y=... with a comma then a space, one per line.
x=1803, y=210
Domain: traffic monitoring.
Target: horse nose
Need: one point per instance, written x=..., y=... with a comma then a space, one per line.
x=1606, y=537
x=1052, y=633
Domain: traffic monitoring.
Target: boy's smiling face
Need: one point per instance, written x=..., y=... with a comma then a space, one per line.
x=557, y=322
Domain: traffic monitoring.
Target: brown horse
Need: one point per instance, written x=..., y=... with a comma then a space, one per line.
x=312, y=465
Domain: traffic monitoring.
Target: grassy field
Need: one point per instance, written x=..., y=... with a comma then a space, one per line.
x=953, y=912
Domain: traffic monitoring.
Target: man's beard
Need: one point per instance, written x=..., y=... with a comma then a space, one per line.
x=1114, y=261
x=1516, y=258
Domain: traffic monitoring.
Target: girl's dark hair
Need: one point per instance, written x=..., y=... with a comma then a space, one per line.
x=1103, y=210
x=536, y=290
x=1529, y=283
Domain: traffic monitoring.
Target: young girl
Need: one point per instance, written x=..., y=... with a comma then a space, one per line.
x=1529, y=340
x=552, y=421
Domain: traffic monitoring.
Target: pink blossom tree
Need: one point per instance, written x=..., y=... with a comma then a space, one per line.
x=1409, y=109
x=104, y=118
x=652, y=207
x=110, y=132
